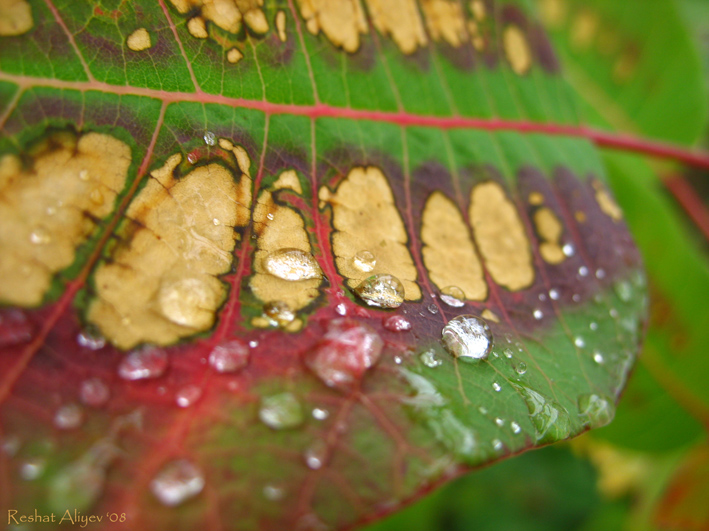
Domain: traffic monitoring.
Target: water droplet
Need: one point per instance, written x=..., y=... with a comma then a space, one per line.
x=253, y=343
x=508, y=353
x=292, y=264
x=429, y=359
x=600, y=273
x=281, y=411
x=579, y=342
x=32, y=468
x=344, y=353
x=210, y=138
x=542, y=297
x=177, y=482
x=51, y=210
x=624, y=290
x=500, y=422
x=467, y=338
x=497, y=445
x=96, y=197
x=94, y=392
x=593, y=326
x=188, y=395
x=538, y=314
x=397, y=323
x=10, y=445
x=453, y=296
x=192, y=158
x=554, y=294
x=84, y=175
x=146, y=362
x=551, y=421
x=320, y=414
x=521, y=368
x=14, y=327
x=483, y=410
x=598, y=410
x=432, y=309
x=216, y=222
x=316, y=454
x=341, y=309
x=364, y=261
x=496, y=386
x=279, y=313
x=576, y=297
x=90, y=340
x=270, y=216
x=613, y=313
x=598, y=357
x=69, y=417
x=516, y=428
x=382, y=291
x=273, y=492
x=40, y=236
x=184, y=302
x=583, y=271
x=568, y=249
x=229, y=357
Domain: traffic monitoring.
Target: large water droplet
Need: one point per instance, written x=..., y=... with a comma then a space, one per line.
x=364, y=261
x=429, y=359
x=453, y=296
x=279, y=313
x=229, y=357
x=344, y=353
x=382, y=291
x=177, y=482
x=551, y=421
x=146, y=362
x=94, y=392
x=281, y=411
x=521, y=368
x=292, y=264
x=397, y=323
x=188, y=395
x=316, y=454
x=185, y=302
x=596, y=410
x=467, y=338
x=210, y=138
x=91, y=340
x=69, y=417
x=516, y=428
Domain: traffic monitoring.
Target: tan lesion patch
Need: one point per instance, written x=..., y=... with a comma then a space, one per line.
x=139, y=40
x=281, y=25
x=365, y=218
x=51, y=206
x=288, y=180
x=229, y=15
x=517, y=50
x=445, y=21
x=549, y=229
x=448, y=250
x=501, y=237
x=15, y=17
x=341, y=21
x=162, y=283
x=584, y=29
x=401, y=20
x=608, y=205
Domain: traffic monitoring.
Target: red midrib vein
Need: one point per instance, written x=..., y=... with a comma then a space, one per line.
x=606, y=139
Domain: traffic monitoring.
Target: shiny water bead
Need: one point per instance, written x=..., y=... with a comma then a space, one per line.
x=364, y=261
x=177, y=482
x=453, y=296
x=229, y=357
x=292, y=264
x=90, y=340
x=397, y=323
x=316, y=454
x=188, y=395
x=597, y=410
x=382, y=291
x=14, y=327
x=551, y=421
x=279, y=313
x=521, y=368
x=281, y=411
x=346, y=351
x=538, y=314
x=69, y=417
x=144, y=363
x=429, y=359
x=94, y=392
x=467, y=338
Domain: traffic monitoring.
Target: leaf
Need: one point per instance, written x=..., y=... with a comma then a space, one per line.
x=254, y=281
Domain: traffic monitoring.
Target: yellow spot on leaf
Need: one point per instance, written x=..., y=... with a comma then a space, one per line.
x=500, y=236
x=365, y=218
x=139, y=40
x=47, y=210
x=342, y=21
x=580, y=216
x=583, y=29
x=517, y=50
x=549, y=230
x=536, y=199
x=554, y=12
x=401, y=20
x=234, y=55
x=478, y=9
x=448, y=250
x=15, y=17
x=281, y=25
x=227, y=14
x=288, y=179
x=162, y=282
x=197, y=28
x=445, y=21
x=606, y=202
x=489, y=315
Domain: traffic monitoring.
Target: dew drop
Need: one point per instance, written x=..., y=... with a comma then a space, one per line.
x=508, y=353
x=467, y=338
x=598, y=357
x=90, y=340
x=279, y=313
x=551, y=421
x=94, y=392
x=320, y=414
x=10, y=445
x=579, y=342
x=515, y=427
x=429, y=359
x=398, y=360
x=229, y=357
x=316, y=454
x=40, y=236
x=364, y=261
x=281, y=411
x=177, y=482
x=184, y=301
x=273, y=492
x=346, y=351
x=341, y=309
x=500, y=422
x=32, y=468
x=14, y=327
x=538, y=314
x=583, y=271
x=188, y=395
x=597, y=410
x=397, y=323
x=253, y=343
x=554, y=294
x=453, y=296
x=496, y=386
x=624, y=290
x=521, y=368
x=96, y=197
x=210, y=138
x=600, y=273
x=497, y=445
x=292, y=264
x=216, y=222
x=192, y=158
x=69, y=417
x=84, y=175
x=382, y=291
x=568, y=249
x=146, y=362
x=482, y=410
x=593, y=326
x=542, y=297
x=613, y=313
x=432, y=309
x=576, y=297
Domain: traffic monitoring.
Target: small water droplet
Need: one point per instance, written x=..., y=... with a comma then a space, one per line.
x=483, y=410
x=184, y=301
x=538, y=314
x=542, y=297
x=270, y=216
x=14, y=327
x=583, y=271
x=40, y=236
x=500, y=422
x=397, y=323
x=51, y=210
x=273, y=492
x=210, y=138
x=568, y=249
x=216, y=222
x=398, y=360
x=508, y=353
x=96, y=197
x=497, y=445
x=91, y=340
x=624, y=290
x=593, y=326
x=576, y=297
x=10, y=445
x=579, y=342
x=320, y=414
x=346, y=351
x=516, y=428
x=467, y=338
x=229, y=357
x=32, y=469
x=429, y=359
x=316, y=454
x=554, y=294
x=279, y=313
x=192, y=158
x=84, y=175
x=432, y=309
x=521, y=368
x=551, y=421
x=453, y=296
x=177, y=482
x=613, y=313
x=253, y=343
x=341, y=309
x=94, y=392
x=597, y=410
x=146, y=362
x=292, y=264
x=598, y=357
x=69, y=417
x=600, y=273
x=188, y=395
x=496, y=386
x=364, y=261
x=281, y=411
x=382, y=291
